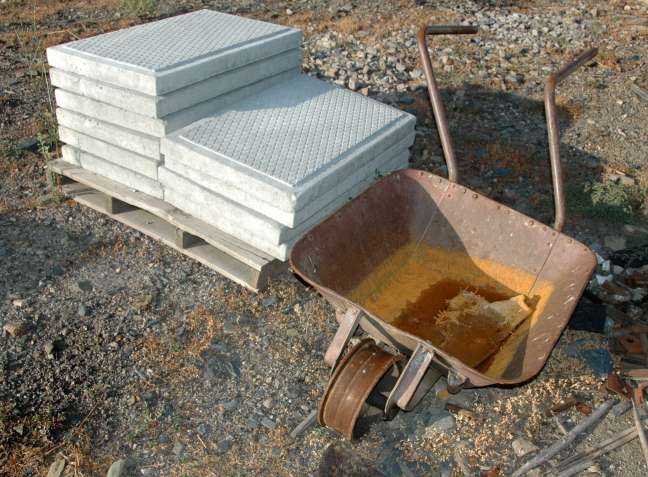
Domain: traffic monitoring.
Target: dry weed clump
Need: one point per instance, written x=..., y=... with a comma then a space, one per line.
x=179, y=356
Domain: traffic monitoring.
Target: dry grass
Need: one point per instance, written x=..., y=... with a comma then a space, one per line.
x=178, y=358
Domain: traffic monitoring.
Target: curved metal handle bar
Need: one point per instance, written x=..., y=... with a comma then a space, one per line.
x=433, y=90
x=552, y=131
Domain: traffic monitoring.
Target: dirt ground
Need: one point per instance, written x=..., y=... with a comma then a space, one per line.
x=132, y=351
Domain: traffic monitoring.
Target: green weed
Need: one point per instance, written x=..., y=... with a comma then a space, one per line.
x=138, y=8
x=609, y=200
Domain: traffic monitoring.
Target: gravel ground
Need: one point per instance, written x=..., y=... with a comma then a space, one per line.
x=128, y=350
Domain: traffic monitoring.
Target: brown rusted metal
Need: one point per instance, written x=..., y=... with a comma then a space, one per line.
x=412, y=381
x=348, y=325
x=549, y=101
x=435, y=97
x=552, y=131
x=351, y=383
x=415, y=206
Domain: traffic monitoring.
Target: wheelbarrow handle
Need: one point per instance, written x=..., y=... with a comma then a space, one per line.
x=552, y=131
x=433, y=90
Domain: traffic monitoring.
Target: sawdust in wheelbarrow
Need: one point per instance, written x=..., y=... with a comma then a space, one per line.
x=470, y=327
x=466, y=306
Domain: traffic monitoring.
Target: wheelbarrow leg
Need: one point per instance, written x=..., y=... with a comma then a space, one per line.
x=414, y=381
x=348, y=325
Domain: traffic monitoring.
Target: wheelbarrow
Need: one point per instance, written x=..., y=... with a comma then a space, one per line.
x=390, y=260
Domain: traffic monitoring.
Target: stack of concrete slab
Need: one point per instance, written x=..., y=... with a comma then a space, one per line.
x=275, y=164
x=119, y=93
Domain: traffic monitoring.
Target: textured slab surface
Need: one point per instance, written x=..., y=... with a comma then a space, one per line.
x=288, y=139
x=160, y=106
x=162, y=126
x=247, y=225
x=112, y=171
x=165, y=55
x=242, y=195
x=122, y=157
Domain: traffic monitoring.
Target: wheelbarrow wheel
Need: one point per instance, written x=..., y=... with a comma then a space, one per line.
x=351, y=384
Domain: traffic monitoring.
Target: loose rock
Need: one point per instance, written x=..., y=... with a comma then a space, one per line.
x=522, y=447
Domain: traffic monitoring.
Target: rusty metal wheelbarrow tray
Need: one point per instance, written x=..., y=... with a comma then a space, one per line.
x=412, y=208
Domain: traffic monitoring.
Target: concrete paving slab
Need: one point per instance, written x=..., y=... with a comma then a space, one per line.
x=160, y=106
x=241, y=194
x=159, y=127
x=122, y=157
x=112, y=171
x=162, y=56
x=292, y=141
x=247, y=224
x=139, y=143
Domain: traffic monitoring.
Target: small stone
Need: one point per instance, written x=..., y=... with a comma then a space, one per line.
x=15, y=328
x=84, y=285
x=117, y=468
x=82, y=311
x=601, y=279
x=204, y=429
x=270, y=424
x=353, y=84
x=18, y=302
x=57, y=270
x=269, y=301
x=615, y=242
x=617, y=270
x=49, y=349
x=416, y=73
x=28, y=143
x=444, y=425
x=267, y=403
x=292, y=332
x=57, y=468
x=178, y=449
x=622, y=179
x=522, y=447
x=400, y=67
x=289, y=12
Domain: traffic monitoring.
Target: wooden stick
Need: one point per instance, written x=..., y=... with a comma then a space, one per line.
x=305, y=424
x=617, y=440
x=640, y=429
x=576, y=468
x=552, y=450
x=639, y=91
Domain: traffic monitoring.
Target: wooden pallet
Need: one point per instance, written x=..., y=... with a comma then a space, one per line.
x=203, y=242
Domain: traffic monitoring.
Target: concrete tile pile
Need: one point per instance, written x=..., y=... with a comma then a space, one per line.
x=277, y=163
x=209, y=112
x=119, y=93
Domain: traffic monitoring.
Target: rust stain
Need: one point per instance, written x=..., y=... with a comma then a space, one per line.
x=413, y=287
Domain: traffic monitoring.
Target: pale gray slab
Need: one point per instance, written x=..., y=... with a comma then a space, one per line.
x=159, y=127
x=241, y=193
x=122, y=157
x=139, y=143
x=112, y=171
x=160, y=106
x=247, y=225
x=166, y=55
x=292, y=141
